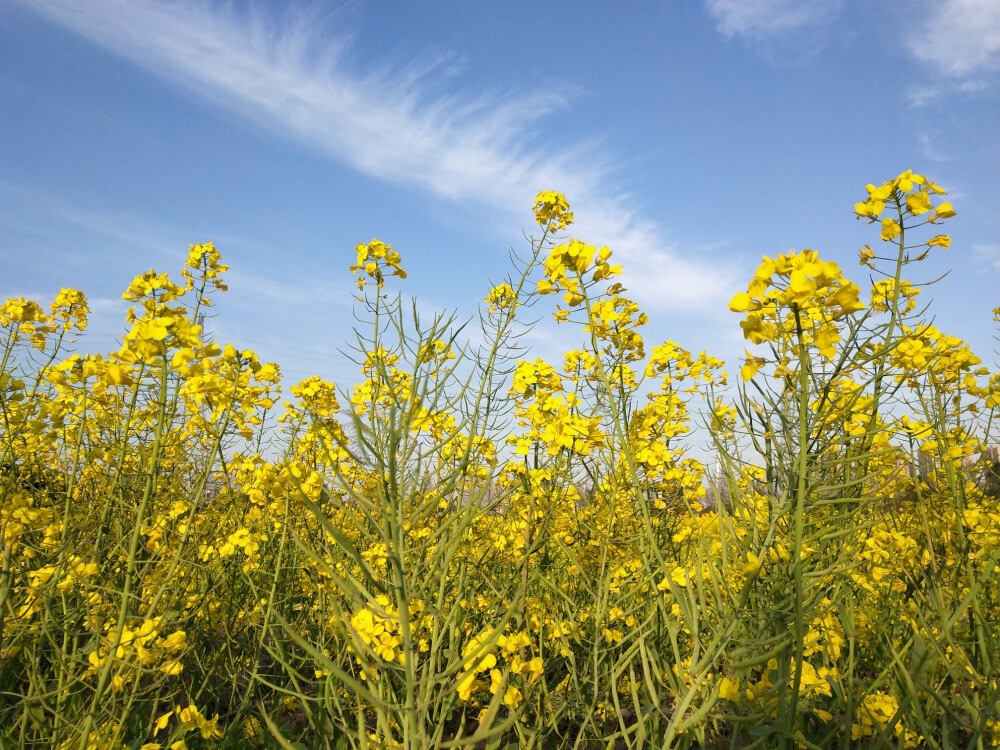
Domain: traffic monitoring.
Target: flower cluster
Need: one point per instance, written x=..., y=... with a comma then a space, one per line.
x=374, y=258
x=552, y=211
x=501, y=297
x=566, y=266
x=796, y=294
x=551, y=415
x=911, y=193
x=472, y=551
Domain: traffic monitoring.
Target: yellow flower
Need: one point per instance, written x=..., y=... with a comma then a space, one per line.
x=512, y=697
x=468, y=685
x=171, y=668
x=867, y=255
x=117, y=374
x=372, y=259
x=740, y=302
x=752, y=564
x=751, y=367
x=155, y=329
x=801, y=286
x=501, y=297
x=880, y=193
x=846, y=299
x=552, y=210
x=70, y=306
x=730, y=689
x=162, y=721
x=890, y=229
x=944, y=211
x=825, y=340
x=918, y=203
x=513, y=642
x=869, y=209
x=181, y=358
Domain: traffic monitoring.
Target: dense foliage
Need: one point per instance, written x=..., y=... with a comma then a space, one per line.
x=471, y=549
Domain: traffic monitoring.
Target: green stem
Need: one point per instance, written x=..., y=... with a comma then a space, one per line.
x=104, y=676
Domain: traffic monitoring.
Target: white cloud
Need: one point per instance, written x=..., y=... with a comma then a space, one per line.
x=121, y=230
x=987, y=256
x=413, y=126
x=959, y=43
x=930, y=150
x=958, y=38
x=758, y=20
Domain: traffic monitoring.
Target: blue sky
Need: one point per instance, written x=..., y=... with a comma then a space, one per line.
x=690, y=137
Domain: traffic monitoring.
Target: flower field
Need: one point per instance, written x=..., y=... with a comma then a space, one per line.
x=475, y=548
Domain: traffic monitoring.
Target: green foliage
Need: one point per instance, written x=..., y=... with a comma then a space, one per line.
x=480, y=550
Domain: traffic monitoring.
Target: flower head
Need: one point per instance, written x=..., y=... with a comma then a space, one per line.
x=374, y=258
x=552, y=210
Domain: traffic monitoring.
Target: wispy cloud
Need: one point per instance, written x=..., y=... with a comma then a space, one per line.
x=760, y=20
x=783, y=32
x=929, y=150
x=958, y=41
x=118, y=230
x=413, y=125
x=987, y=256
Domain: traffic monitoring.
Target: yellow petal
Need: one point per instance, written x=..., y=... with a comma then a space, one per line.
x=740, y=302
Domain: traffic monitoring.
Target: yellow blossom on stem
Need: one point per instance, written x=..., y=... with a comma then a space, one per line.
x=552, y=210
x=373, y=259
